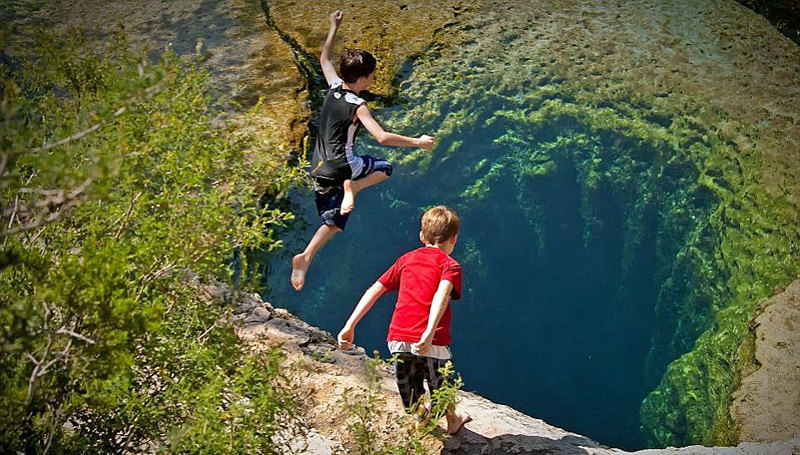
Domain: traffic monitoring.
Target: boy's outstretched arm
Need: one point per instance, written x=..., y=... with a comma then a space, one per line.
x=438, y=305
x=369, y=298
x=327, y=49
x=386, y=138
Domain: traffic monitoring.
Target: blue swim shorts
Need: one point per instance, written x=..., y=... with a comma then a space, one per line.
x=328, y=195
x=329, y=203
x=372, y=164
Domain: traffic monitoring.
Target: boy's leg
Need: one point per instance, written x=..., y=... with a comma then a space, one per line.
x=455, y=420
x=327, y=200
x=352, y=187
x=410, y=381
x=375, y=171
x=435, y=380
x=300, y=262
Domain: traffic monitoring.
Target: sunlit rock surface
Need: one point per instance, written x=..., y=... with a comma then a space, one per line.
x=766, y=406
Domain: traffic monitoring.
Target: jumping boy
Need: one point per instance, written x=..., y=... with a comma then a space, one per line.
x=427, y=279
x=339, y=173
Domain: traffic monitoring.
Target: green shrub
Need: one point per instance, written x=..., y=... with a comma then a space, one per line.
x=115, y=187
x=365, y=430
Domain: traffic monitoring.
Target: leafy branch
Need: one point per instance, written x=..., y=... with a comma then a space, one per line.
x=106, y=348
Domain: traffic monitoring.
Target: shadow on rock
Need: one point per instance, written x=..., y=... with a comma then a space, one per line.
x=467, y=442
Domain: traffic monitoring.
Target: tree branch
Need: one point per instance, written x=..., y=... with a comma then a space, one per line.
x=3, y=164
x=37, y=367
x=69, y=139
x=149, y=91
x=62, y=330
x=123, y=219
x=13, y=212
x=152, y=275
x=64, y=199
x=78, y=135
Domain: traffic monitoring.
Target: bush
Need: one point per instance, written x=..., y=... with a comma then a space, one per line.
x=114, y=184
x=367, y=432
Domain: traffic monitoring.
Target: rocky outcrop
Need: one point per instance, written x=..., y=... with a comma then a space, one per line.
x=321, y=372
x=396, y=32
x=766, y=406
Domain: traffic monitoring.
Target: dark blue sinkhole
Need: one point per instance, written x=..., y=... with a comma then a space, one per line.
x=561, y=275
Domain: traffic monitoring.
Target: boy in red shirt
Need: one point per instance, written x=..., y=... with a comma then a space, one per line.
x=427, y=279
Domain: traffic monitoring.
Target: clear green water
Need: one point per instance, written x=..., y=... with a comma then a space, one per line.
x=572, y=218
x=560, y=280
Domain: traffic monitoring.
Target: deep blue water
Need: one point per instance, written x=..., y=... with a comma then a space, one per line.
x=551, y=323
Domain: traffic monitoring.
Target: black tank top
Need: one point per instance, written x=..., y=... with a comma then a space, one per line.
x=333, y=160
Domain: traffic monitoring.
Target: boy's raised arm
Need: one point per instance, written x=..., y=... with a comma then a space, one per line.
x=387, y=138
x=327, y=49
x=369, y=298
x=438, y=305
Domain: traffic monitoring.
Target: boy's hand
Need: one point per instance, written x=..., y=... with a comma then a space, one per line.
x=336, y=19
x=345, y=338
x=426, y=142
x=423, y=345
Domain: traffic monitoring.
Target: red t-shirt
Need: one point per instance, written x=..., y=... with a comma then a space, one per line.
x=417, y=275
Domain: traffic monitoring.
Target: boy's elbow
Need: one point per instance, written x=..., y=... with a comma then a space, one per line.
x=377, y=289
x=325, y=55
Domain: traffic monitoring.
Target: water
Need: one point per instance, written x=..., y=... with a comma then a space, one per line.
x=552, y=323
x=572, y=214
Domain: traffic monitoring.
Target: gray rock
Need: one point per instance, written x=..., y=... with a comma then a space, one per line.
x=287, y=327
x=258, y=315
x=314, y=443
x=791, y=447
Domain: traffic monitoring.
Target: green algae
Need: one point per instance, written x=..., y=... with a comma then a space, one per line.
x=691, y=403
x=735, y=242
x=725, y=237
x=732, y=255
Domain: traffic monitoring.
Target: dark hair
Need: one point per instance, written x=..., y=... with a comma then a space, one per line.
x=439, y=224
x=355, y=63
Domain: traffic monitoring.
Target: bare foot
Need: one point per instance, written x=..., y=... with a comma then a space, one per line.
x=299, y=268
x=348, y=202
x=456, y=421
